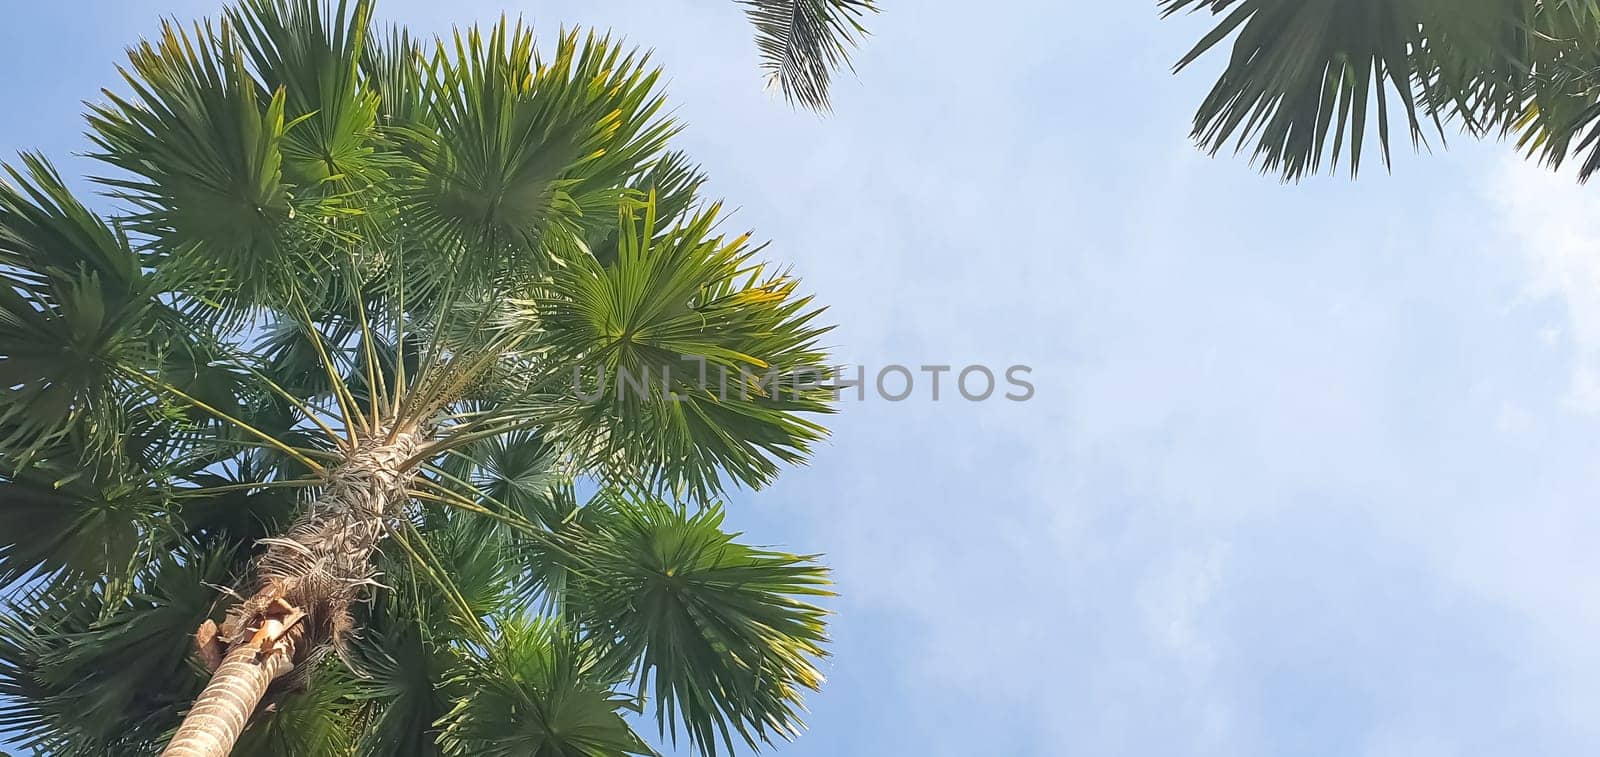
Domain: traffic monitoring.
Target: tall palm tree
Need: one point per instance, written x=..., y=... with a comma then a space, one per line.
x=301, y=451
x=1307, y=80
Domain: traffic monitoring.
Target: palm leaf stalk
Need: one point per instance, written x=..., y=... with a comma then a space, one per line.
x=291, y=447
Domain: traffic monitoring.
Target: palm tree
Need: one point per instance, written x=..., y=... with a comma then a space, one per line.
x=1308, y=79
x=300, y=451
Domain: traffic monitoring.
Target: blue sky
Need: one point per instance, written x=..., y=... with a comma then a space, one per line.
x=1310, y=469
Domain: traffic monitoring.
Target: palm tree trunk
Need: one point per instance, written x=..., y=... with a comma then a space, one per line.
x=221, y=711
x=304, y=585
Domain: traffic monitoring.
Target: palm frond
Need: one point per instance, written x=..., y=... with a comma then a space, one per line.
x=75, y=310
x=804, y=43
x=705, y=364
x=517, y=470
x=529, y=152
x=84, y=529
x=1306, y=79
x=312, y=51
x=83, y=676
x=675, y=182
x=203, y=153
x=719, y=634
x=532, y=694
x=396, y=69
x=45, y=231
x=1561, y=113
x=405, y=669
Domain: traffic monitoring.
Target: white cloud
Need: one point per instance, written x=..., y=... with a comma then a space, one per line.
x=1554, y=223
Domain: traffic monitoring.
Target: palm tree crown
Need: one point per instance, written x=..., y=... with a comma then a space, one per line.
x=306, y=411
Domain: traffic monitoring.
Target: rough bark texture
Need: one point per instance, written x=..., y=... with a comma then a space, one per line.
x=323, y=565
x=297, y=606
x=221, y=711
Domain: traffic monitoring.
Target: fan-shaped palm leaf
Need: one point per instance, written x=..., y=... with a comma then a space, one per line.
x=1306, y=80
x=312, y=52
x=75, y=312
x=205, y=155
x=91, y=526
x=529, y=152
x=692, y=358
x=84, y=675
x=719, y=633
x=532, y=694
x=405, y=671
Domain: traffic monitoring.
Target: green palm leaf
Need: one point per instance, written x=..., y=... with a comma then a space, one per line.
x=804, y=42
x=75, y=311
x=718, y=633
x=696, y=362
x=394, y=68
x=674, y=181
x=533, y=694
x=1307, y=78
x=81, y=674
x=518, y=470
x=529, y=152
x=1561, y=112
x=1305, y=81
x=312, y=53
x=404, y=675
x=46, y=232
x=87, y=527
x=204, y=156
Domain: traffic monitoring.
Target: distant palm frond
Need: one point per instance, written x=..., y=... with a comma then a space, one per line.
x=805, y=42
